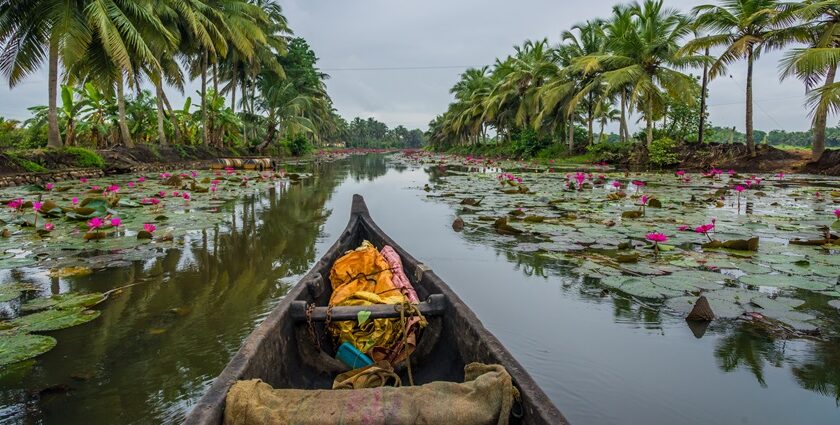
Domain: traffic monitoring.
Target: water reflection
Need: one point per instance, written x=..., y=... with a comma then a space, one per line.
x=160, y=341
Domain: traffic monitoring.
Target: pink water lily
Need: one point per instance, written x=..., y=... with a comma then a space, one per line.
x=680, y=173
x=48, y=186
x=165, y=175
x=116, y=221
x=837, y=213
x=656, y=237
x=682, y=227
x=176, y=194
x=95, y=223
x=149, y=227
x=83, y=179
x=616, y=184
x=644, y=200
x=780, y=176
x=162, y=194
x=739, y=188
x=75, y=201
x=215, y=182
x=186, y=196
x=49, y=226
x=141, y=179
x=15, y=204
x=113, y=188
x=705, y=229
x=37, y=205
x=130, y=184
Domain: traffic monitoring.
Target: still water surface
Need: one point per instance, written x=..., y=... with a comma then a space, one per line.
x=602, y=360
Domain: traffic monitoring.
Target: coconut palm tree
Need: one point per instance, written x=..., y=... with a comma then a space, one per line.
x=817, y=63
x=645, y=62
x=744, y=29
x=38, y=30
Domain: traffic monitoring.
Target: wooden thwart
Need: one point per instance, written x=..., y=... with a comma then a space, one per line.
x=434, y=306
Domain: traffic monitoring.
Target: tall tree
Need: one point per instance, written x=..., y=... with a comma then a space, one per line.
x=744, y=29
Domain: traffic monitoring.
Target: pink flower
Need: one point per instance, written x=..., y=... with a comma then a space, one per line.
x=49, y=226
x=149, y=227
x=682, y=227
x=193, y=173
x=48, y=186
x=616, y=184
x=83, y=179
x=638, y=183
x=176, y=194
x=95, y=223
x=215, y=182
x=15, y=204
x=141, y=179
x=213, y=188
x=739, y=188
x=36, y=206
x=94, y=188
x=162, y=194
x=780, y=176
x=730, y=172
x=116, y=221
x=130, y=184
x=644, y=200
x=186, y=196
x=680, y=173
x=164, y=175
x=519, y=179
x=113, y=188
x=75, y=201
x=704, y=228
x=837, y=213
x=656, y=237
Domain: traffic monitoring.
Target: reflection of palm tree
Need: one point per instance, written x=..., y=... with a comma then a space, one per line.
x=822, y=372
x=750, y=347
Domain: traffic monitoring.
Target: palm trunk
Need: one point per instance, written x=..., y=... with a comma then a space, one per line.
x=589, y=118
x=233, y=92
x=571, y=137
x=53, y=134
x=703, y=90
x=601, y=132
x=204, y=129
x=125, y=135
x=71, y=132
x=750, y=140
x=649, y=119
x=160, y=118
x=820, y=117
x=623, y=124
x=176, y=126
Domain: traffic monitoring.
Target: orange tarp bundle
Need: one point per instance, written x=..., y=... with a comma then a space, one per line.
x=364, y=277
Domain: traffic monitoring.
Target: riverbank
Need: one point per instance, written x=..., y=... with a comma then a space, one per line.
x=688, y=157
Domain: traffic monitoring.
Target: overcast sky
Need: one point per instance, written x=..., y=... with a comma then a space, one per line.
x=448, y=36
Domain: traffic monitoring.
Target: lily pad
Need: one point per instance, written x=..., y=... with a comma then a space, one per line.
x=11, y=291
x=18, y=346
x=51, y=320
x=61, y=301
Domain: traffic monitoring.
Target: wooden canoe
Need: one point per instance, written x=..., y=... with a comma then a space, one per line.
x=281, y=351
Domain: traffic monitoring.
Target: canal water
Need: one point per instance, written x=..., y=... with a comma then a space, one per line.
x=602, y=360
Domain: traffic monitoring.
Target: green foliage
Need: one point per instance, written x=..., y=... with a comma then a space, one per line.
x=527, y=143
x=662, y=152
x=85, y=158
x=297, y=145
x=610, y=152
x=371, y=133
x=29, y=166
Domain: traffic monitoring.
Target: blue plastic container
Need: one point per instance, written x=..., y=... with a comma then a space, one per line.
x=352, y=357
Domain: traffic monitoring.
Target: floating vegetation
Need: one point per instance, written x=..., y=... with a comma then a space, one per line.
x=663, y=239
x=53, y=226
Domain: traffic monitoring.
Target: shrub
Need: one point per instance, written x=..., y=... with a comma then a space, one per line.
x=85, y=158
x=30, y=166
x=526, y=143
x=609, y=151
x=662, y=152
x=297, y=144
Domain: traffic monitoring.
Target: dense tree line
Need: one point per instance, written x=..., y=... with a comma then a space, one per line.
x=112, y=63
x=370, y=133
x=637, y=61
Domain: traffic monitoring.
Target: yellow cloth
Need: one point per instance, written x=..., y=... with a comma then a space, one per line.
x=363, y=277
